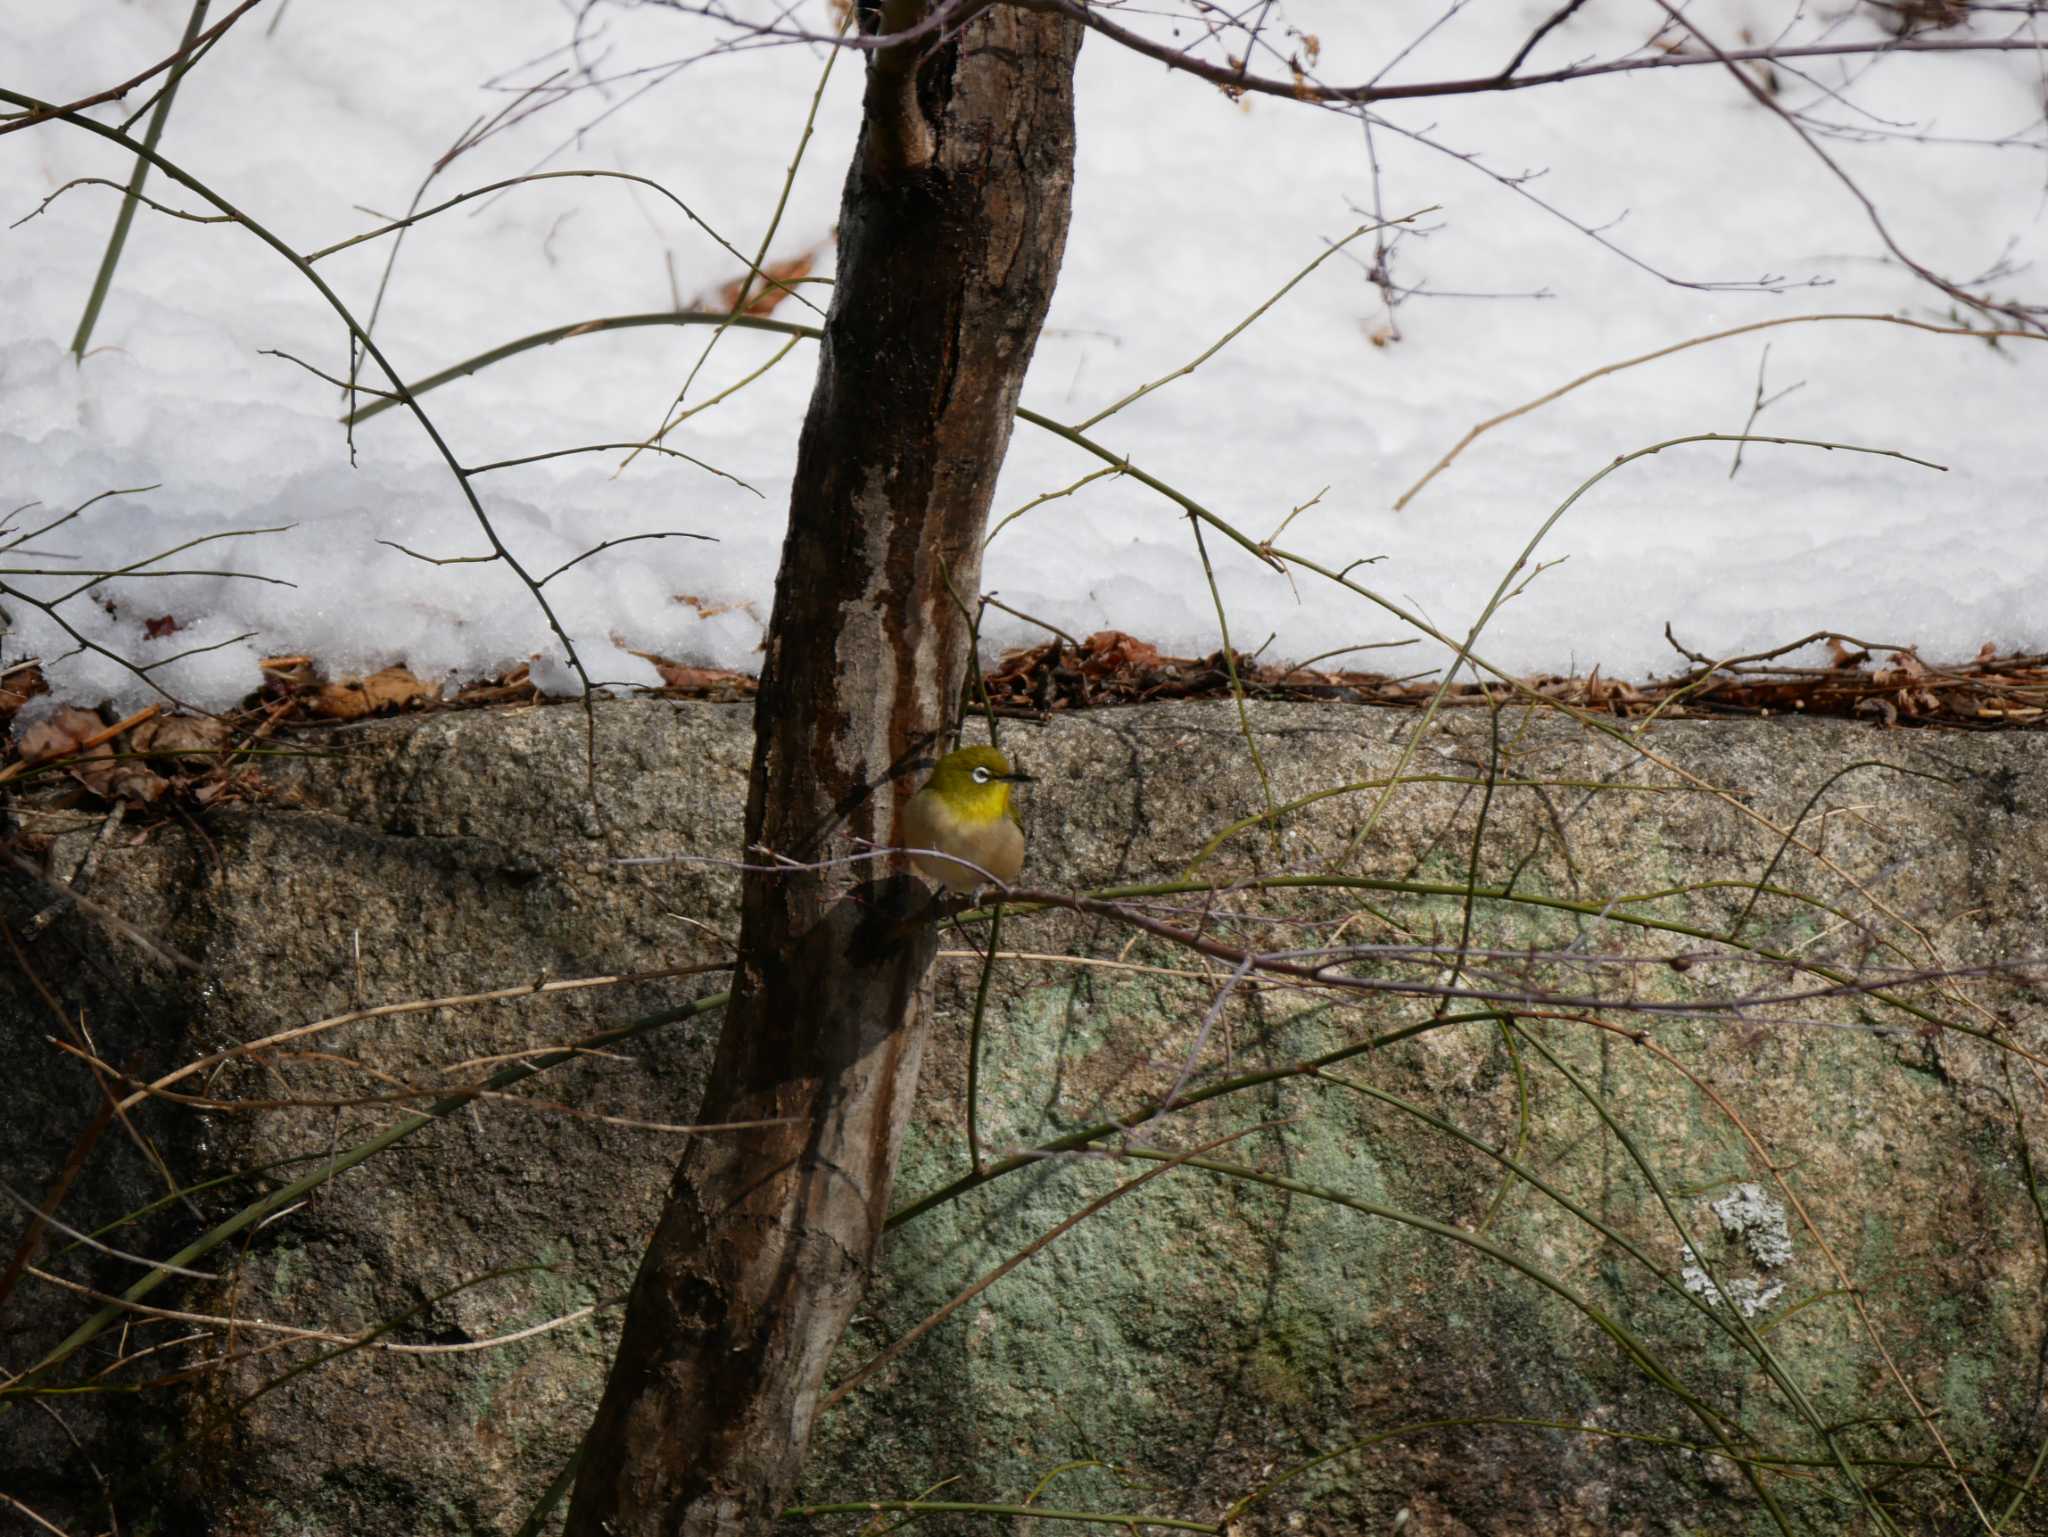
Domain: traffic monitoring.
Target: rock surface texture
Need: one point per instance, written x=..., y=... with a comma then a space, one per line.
x=1803, y=1235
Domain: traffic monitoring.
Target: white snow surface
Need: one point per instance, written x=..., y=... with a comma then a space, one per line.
x=1189, y=211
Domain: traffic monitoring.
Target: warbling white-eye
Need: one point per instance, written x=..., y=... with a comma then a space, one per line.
x=965, y=810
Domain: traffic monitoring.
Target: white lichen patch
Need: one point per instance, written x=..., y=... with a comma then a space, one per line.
x=1748, y=1214
x=1746, y=1296
x=1752, y=1219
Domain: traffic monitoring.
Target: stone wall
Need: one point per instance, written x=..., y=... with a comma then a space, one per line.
x=1851, y=1174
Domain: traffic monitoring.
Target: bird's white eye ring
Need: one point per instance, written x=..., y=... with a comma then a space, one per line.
x=981, y=776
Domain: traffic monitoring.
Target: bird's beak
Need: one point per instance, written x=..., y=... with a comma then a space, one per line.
x=1017, y=779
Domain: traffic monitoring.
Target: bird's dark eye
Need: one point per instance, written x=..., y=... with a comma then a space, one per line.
x=981, y=776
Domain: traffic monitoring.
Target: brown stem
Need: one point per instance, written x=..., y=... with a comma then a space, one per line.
x=768, y=1237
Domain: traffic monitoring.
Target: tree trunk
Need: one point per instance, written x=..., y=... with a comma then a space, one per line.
x=951, y=231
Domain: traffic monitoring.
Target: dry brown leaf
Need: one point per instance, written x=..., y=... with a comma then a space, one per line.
x=179, y=736
x=127, y=780
x=700, y=680
x=1107, y=651
x=61, y=732
x=764, y=296
x=705, y=608
x=98, y=768
x=19, y=686
x=1019, y=664
x=1605, y=693
x=395, y=688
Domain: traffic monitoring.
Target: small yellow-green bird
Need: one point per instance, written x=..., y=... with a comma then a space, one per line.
x=964, y=810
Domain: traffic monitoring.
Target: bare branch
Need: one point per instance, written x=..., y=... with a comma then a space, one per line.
x=42, y=112
x=1370, y=94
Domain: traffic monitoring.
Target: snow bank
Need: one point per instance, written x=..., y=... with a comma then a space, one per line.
x=1190, y=210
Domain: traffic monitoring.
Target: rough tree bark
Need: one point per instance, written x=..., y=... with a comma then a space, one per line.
x=951, y=231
